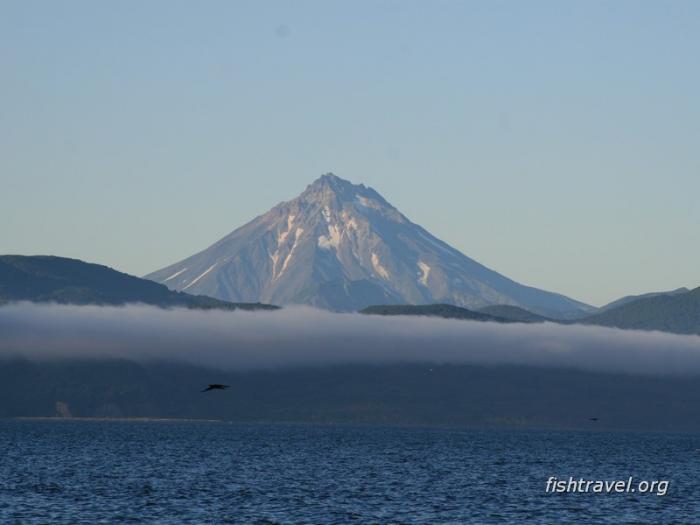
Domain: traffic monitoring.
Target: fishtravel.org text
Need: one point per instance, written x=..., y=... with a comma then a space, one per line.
x=629, y=485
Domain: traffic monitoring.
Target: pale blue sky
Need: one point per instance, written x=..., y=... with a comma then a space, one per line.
x=555, y=142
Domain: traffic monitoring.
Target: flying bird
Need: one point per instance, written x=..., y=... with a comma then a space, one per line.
x=216, y=387
x=593, y=419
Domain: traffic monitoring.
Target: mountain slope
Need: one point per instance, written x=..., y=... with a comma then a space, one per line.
x=446, y=311
x=629, y=298
x=71, y=281
x=513, y=313
x=678, y=313
x=343, y=247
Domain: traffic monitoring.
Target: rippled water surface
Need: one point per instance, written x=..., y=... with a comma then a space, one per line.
x=196, y=472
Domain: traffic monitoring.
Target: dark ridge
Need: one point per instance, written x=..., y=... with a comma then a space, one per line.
x=678, y=313
x=514, y=313
x=630, y=298
x=446, y=311
x=50, y=279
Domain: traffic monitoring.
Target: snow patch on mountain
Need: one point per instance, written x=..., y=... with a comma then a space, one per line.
x=287, y=259
x=275, y=259
x=367, y=203
x=326, y=212
x=196, y=279
x=424, y=273
x=175, y=275
x=283, y=235
x=349, y=221
x=377, y=265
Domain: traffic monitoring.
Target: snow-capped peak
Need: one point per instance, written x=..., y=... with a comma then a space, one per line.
x=342, y=246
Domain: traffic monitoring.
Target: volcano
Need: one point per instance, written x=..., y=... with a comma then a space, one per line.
x=341, y=246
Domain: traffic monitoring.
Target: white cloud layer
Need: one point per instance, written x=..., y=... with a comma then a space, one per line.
x=303, y=336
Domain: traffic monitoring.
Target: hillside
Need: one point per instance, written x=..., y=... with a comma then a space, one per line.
x=678, y=313
x=71, y=281
x=446, y=311
x=513, y=313
x=631, y=298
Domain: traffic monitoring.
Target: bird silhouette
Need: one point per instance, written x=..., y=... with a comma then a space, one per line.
x=216, y=386
x=593, y=419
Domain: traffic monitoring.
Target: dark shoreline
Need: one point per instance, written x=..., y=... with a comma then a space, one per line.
x=416, y=395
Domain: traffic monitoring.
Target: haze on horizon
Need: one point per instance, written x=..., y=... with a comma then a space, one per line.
x=555, y=143
x=304, y=337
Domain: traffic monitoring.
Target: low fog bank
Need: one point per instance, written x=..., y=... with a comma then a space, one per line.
x=302, y=336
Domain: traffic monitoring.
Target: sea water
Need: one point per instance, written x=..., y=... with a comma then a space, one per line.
x=76, y=472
